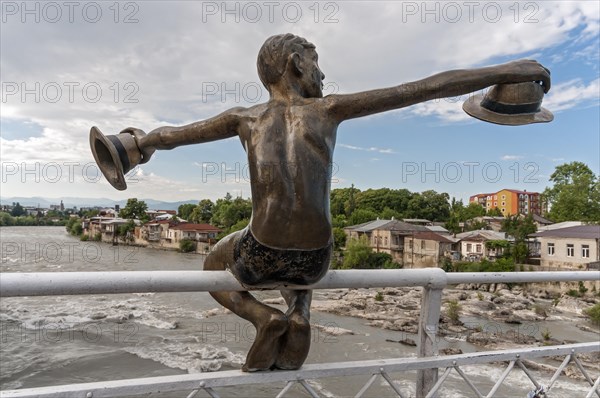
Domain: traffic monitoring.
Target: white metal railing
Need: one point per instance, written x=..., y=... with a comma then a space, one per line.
x=433, y=281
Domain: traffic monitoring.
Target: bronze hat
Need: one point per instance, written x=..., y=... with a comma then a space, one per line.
x=510, y=104
x=116, y=155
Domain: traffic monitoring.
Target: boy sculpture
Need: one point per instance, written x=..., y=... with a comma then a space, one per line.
x=289, y=142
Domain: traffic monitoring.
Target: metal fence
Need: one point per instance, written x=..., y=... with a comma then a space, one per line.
x=427, y=365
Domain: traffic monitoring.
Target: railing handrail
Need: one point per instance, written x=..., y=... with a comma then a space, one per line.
x=229, y=378
x=13, y=284
x=433, y=281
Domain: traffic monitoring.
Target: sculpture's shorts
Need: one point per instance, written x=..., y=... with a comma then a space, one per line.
x=261, y=266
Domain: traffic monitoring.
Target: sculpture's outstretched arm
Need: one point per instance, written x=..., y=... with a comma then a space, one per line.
x=219, y=127
x=442, y=85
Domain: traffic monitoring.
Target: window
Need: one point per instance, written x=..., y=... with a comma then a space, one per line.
x=503, y=197
x=503, y=203
x=478, y=248
x=495, y=204
x=585, y=251
x=469, y=247
x=385, y=241
x=410, y=243
x=495, y=197
x=422, y=245
x=570, y=250
x=551, y=249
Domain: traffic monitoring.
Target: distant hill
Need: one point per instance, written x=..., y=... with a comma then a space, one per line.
x=70, y=202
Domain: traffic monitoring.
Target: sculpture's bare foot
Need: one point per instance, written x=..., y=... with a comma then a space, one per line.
x=295, y=344
x=264, y=350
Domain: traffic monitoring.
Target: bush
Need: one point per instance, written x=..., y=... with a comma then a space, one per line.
x=453, y=311
x=379, y=296
x=593, y=313
x=573, y=293
x=76, y=229
x=187, y=245
x=98, y=237
x=84, y=237
x=582, y=288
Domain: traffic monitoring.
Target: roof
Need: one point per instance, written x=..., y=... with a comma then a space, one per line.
x=437, y=228
x=196, y=227
x=386, y=225
x=564, y=224
x=580, y=232
x=432, y=236
x=541, y=220
x=482, y=235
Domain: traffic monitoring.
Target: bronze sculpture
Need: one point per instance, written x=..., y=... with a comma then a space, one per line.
x=289, y=142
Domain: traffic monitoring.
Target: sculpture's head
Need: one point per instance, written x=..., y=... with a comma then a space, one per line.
x=291, y=57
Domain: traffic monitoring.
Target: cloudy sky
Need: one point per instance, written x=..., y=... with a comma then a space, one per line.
x=68, y=66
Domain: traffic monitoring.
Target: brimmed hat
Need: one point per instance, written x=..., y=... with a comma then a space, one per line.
x=116, y=155
x=510, y=104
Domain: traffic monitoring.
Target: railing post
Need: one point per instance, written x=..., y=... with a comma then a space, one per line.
x=431, y=303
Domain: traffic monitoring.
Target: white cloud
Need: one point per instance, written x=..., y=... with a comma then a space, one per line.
x=369, y=149
x=511, y=157
x=571, y=94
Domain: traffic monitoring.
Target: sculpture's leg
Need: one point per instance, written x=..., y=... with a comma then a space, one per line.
x=270, y=323
x=295, y=343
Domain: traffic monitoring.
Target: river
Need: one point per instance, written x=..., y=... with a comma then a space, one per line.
x=75, y=339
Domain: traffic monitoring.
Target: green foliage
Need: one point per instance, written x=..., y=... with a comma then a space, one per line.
x=339, y=238
x=575, y=195
x=573, y=293
x=84, y=237
x=453, y=311
x=185, y=210
x=134, y=209
x=228, y=212
x=480, y=296
x=203, y=212
x=582, y=289
x=6, y=219
x=546, y=335
x=593, y=313
x=379, y=296
x=494, y=212
x=125, y=231
x=360, y=216
x=17, y=210
x=429, y=205
x=500, y=265
x=97, y=237
x=76, y=229
x=357, y=253
x=187, y=245
x=238, y=226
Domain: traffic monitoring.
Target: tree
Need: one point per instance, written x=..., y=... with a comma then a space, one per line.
x=429, y=205
x=17, y=210
x=494, y=212
x=575, y=195
x=227, y=212
x=134, y=209
x=357, y=253
x=339, y=238
x=520, y=227
x=203, y=212
x=360, y=216
x=185, y=210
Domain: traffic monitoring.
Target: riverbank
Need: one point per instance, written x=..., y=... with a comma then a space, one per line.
x=490, y=317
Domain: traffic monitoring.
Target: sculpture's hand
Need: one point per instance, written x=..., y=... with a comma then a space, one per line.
x=139, y=135
x=526, y=70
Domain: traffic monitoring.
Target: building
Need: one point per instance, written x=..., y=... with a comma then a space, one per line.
x=511, y=202
x=427, y=249
x=473, y=246
x=574, y=247
x=385, y=236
